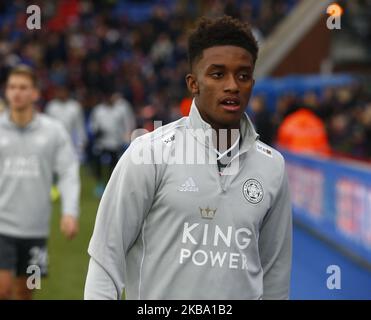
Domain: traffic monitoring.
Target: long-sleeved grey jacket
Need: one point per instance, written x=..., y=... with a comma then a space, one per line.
x=70, y=114
x=172, y=230
x=28, y=158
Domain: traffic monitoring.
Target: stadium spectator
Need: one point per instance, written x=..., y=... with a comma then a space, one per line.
x=303, y=132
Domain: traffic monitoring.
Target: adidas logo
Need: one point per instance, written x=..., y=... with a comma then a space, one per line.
x=188, y=186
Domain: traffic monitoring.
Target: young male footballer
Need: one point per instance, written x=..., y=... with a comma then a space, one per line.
x=190, y=214
x=32, y=148
x=68, y=111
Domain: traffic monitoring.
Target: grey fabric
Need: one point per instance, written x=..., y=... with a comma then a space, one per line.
x=28, y=158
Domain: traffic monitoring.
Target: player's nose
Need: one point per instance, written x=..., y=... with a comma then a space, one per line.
x=231, y=84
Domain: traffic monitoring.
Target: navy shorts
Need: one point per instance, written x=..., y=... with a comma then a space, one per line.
x=18, y=254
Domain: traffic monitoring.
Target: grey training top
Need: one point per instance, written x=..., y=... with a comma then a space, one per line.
x=113, y=123
x=70, y=113
x=28, y=158
x=185, y=231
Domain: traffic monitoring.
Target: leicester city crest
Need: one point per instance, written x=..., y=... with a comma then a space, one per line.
x=253, y=191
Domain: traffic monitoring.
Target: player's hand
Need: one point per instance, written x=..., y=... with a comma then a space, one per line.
x=69, y=226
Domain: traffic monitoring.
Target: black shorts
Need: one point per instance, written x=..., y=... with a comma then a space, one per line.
x=17, y=254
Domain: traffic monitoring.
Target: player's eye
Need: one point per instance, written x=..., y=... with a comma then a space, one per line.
x=216, y=75
x=244, y=76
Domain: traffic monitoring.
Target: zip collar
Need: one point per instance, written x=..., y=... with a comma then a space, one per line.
x=33, y=124
x=201, y=129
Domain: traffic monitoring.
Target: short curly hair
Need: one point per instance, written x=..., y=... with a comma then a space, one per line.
x=220, y=32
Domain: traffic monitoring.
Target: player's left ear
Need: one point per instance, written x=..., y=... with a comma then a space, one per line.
x=192, y=84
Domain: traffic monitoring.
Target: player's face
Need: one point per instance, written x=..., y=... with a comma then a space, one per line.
x=20, y=92
x=221, y=83
x=62, y=93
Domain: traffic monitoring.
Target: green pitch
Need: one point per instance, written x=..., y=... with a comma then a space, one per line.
x=68, y=260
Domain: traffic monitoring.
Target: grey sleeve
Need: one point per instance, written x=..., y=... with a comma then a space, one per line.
x=67, y=170
x=275, y=245
x=121, y=213
x=98, y=285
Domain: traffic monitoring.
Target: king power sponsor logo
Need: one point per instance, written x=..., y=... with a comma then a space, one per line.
x=214, y=246
x=18, y=166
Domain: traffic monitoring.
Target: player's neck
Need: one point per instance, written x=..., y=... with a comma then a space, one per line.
x=22, y=117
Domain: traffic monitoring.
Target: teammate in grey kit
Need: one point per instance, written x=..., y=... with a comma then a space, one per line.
x=32, y=148
x=70, y=113
x=112, y=122
x=219, y=228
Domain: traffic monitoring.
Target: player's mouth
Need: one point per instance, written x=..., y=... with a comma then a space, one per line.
x=232, y=104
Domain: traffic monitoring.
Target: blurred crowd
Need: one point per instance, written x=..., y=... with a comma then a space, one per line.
x=104, y=51
x=97, y=47
x=343, y=112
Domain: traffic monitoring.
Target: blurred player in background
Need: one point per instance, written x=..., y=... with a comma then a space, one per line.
x=215, y=230
x=111, y=122
x=69, y=112
x=32, y=147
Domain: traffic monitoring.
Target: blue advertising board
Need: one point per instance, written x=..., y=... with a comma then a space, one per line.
x=334, y=199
